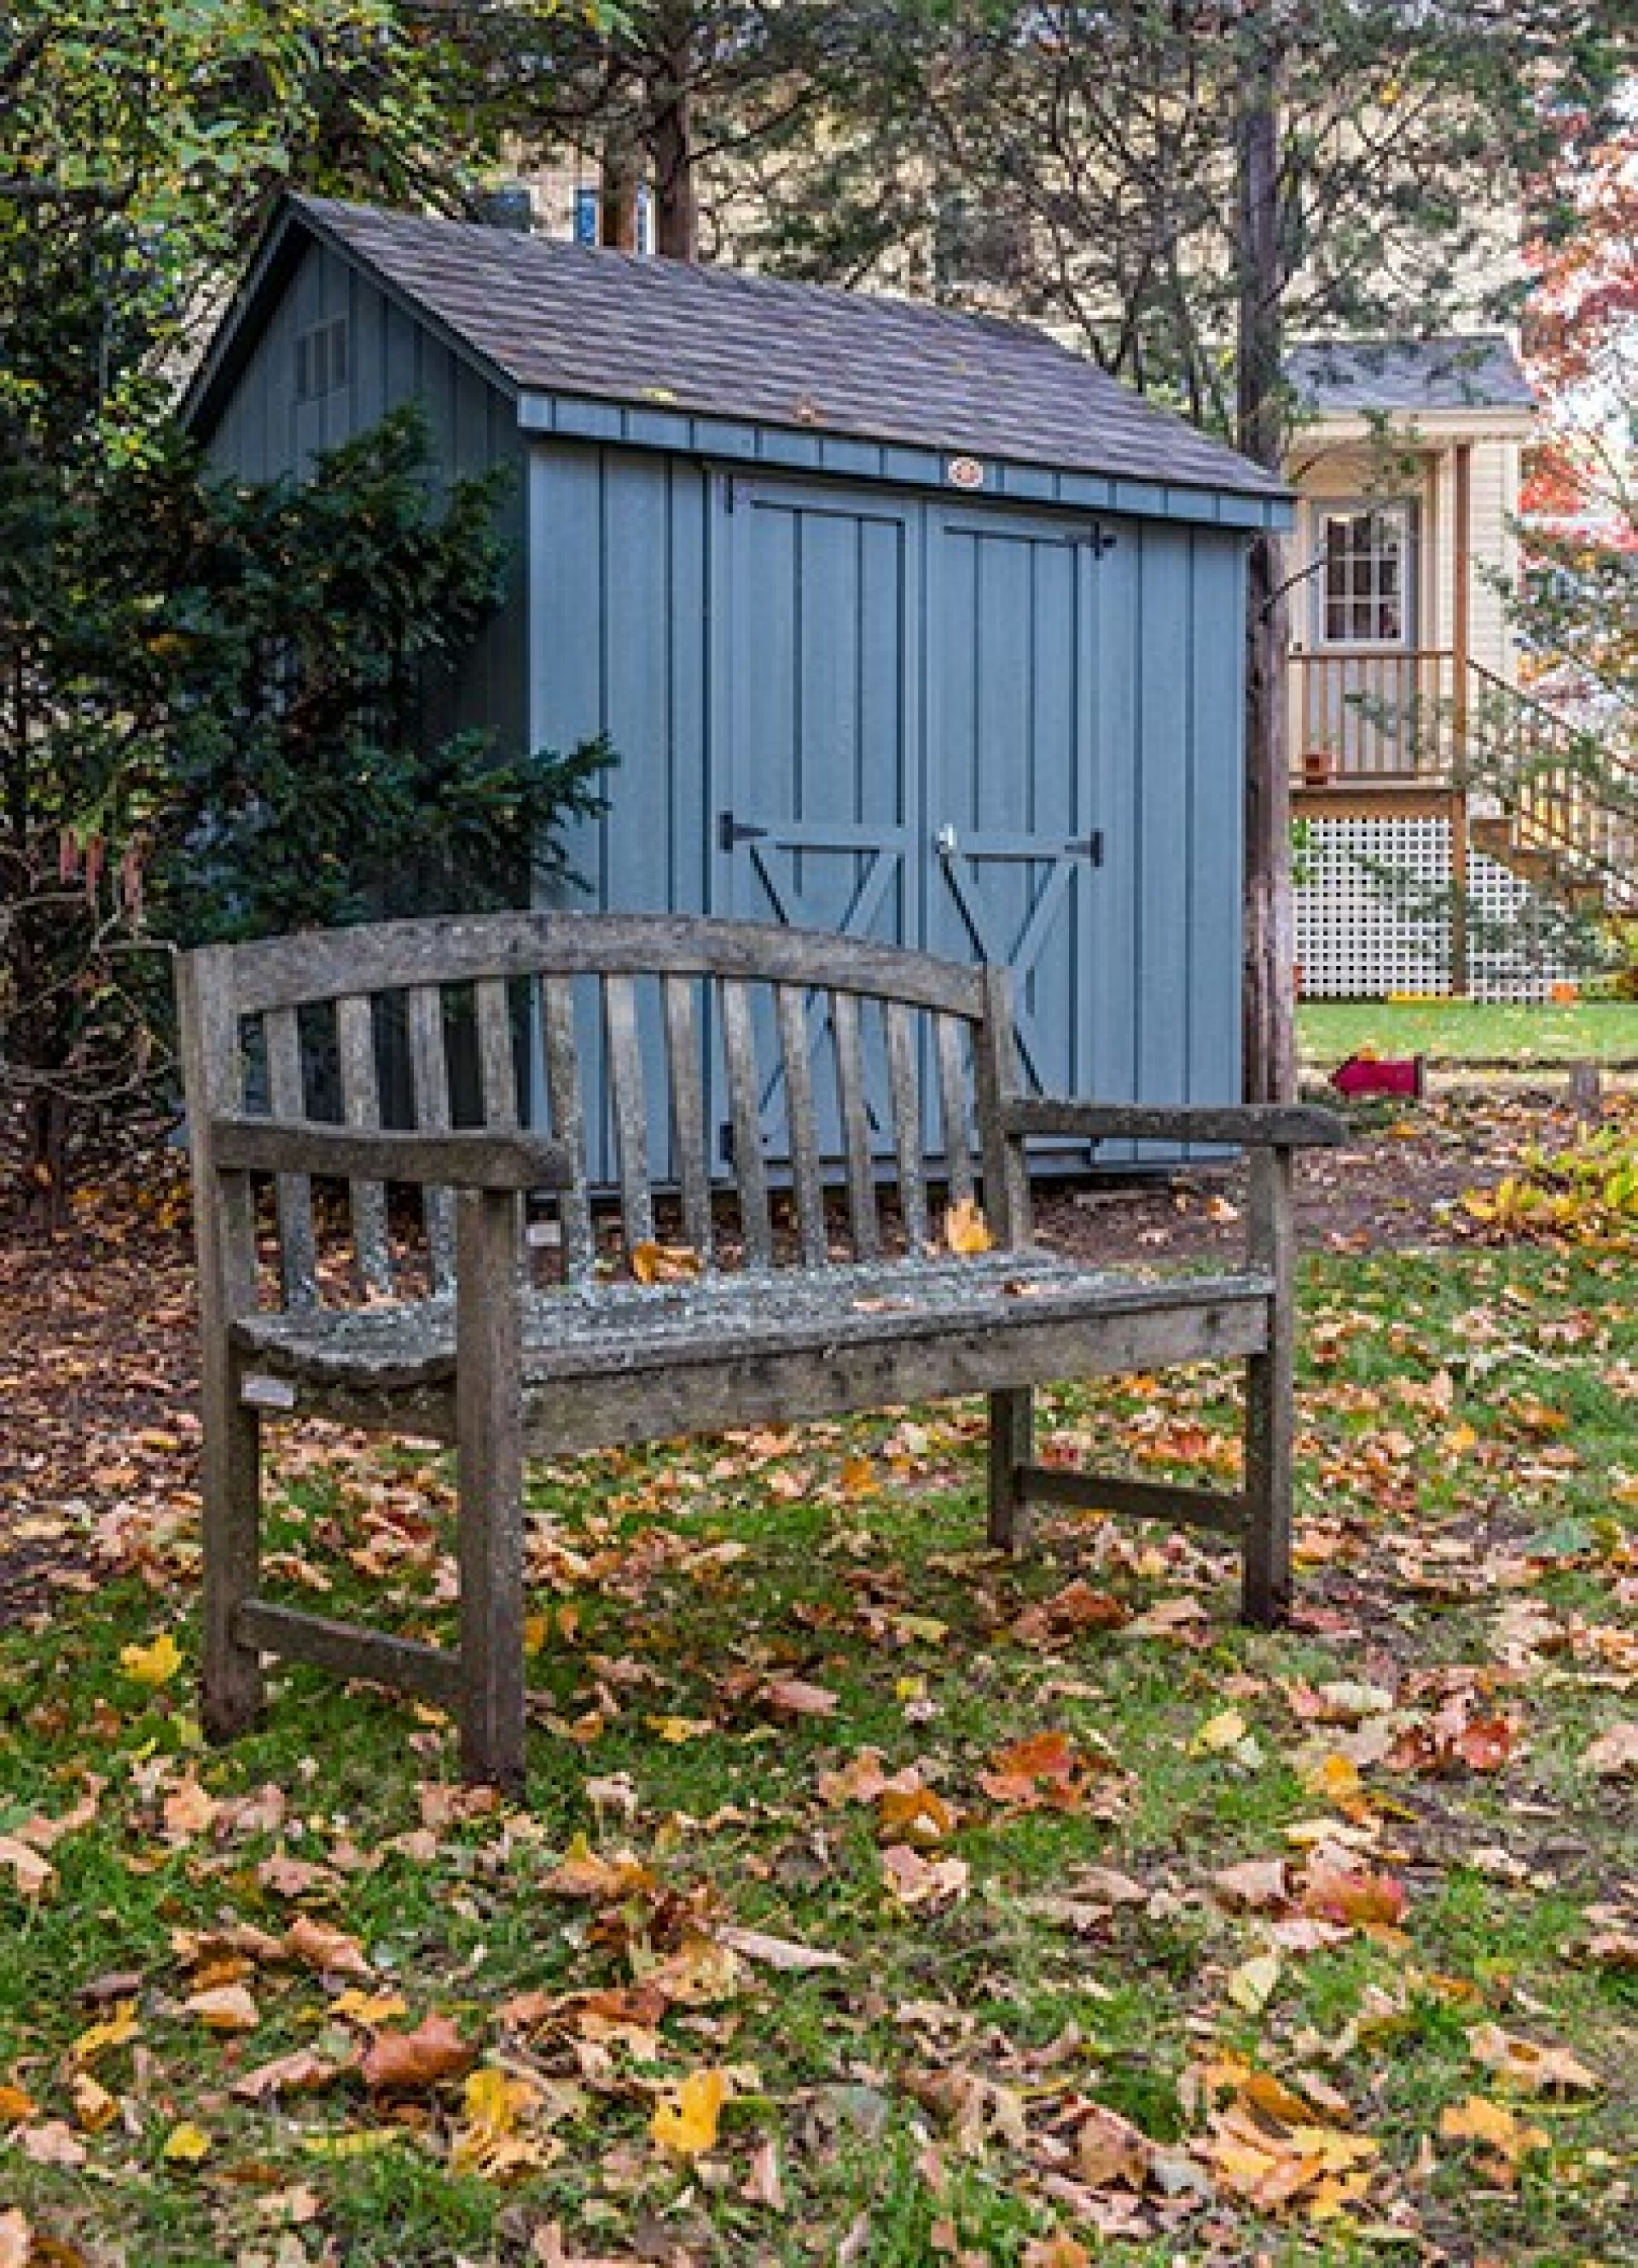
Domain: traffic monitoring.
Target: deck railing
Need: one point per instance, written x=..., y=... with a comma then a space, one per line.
x=1385, y=719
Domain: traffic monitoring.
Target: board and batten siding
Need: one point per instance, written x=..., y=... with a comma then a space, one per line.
x=266, y=433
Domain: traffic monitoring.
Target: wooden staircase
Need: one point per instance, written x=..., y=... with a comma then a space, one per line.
x=1569, y=818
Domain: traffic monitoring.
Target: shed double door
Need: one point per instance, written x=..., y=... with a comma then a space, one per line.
x=907, y=747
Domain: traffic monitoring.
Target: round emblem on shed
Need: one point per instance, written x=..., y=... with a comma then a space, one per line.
x=964, y=473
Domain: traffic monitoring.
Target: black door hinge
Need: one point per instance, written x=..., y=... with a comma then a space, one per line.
x=1090, y=847
x=1098, y=539
x=732, y=832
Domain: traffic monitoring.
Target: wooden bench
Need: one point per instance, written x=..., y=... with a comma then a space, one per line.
x=888, y=1050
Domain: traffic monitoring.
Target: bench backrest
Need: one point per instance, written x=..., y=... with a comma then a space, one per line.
x=517, y=1018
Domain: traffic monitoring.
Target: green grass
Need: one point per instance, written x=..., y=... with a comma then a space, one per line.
x=1468, y=1446
x=1469, y=1031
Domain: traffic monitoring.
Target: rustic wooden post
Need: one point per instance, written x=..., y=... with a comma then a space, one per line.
x=232, y=1684
x=1011, y=1450
x=1007, y=1206
x=488, y=1428
x=1270, y=1390
x=1270, y=919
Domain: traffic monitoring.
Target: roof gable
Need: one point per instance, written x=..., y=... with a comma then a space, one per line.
x=544, y=317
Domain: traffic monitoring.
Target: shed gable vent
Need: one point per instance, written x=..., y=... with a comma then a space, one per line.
x=322, y=358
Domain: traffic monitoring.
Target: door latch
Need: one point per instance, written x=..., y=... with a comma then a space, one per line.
x=732, y=832
x=1090, y=847
x=946, y=842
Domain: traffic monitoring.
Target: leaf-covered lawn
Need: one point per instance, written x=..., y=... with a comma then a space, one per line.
x=1469, y=1031
x=877, y=1901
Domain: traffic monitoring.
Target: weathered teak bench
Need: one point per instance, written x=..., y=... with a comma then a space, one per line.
x=472, y=1355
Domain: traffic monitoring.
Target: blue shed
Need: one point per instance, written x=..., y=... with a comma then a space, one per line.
x=904, y=623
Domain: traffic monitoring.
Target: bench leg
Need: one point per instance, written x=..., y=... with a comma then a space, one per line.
x=1012, y=1445
x=234, y=1687
x=1270, y=1394
x=489, y=1421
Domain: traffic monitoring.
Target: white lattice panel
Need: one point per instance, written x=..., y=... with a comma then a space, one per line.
x=1373, y=916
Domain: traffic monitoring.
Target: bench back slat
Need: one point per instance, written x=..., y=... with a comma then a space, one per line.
x=299, y=1252
x=791, y=1007
x=361, y=1106
x=954, y=1090
x=429, y=1077
x=689, y=1138
x=746, y=1114
x=569, y=1123
x=629, y=1103
x=497, y=1069
x=824, y=1055
x=906, y=1091
x=853, y=1098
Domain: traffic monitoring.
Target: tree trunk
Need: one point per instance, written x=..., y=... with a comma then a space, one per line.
x=46, y=1160
x=1270, y=925
x=617, y=208
x=671, y=142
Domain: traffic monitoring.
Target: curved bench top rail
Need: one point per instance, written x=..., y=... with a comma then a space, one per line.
x=321, y=965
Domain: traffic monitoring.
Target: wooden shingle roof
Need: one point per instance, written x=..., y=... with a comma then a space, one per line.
x=553, y=318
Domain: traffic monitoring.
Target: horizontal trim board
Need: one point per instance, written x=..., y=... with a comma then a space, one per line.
x=841, y=456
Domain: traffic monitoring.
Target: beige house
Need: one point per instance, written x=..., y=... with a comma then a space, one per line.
x=1448, y=842
x=1408, y=464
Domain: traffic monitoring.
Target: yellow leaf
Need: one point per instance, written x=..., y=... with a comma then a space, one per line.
x=94, y=2108
x=187, y=2143
x=687, y=2122
x=663, y=1264
x=152, y=1665
x=1493, y=2123
x=1335, y=1775
x=369, y=2008
x=676, y=1730
x=1251, y=1985
x=1226, y=1731
x=116, y=2031
x=966, y=1230
x=496, y=2098
x=494, y=2103
x=362, y=2142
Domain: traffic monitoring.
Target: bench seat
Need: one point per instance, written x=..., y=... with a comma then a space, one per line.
x=625, y=1330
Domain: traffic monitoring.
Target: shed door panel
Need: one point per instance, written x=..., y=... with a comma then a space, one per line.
x=1012, y=815
x=819, y=829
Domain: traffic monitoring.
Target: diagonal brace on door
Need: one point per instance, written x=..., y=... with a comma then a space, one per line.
x=1027, y=947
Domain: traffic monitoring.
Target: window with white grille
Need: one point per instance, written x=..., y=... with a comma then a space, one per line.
x=1363, y=585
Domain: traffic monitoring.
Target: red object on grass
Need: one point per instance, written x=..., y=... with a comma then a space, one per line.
x=1379, y=1075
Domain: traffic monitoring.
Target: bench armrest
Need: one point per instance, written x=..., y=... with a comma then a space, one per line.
x=472, y=1158
x=1252, y=1126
